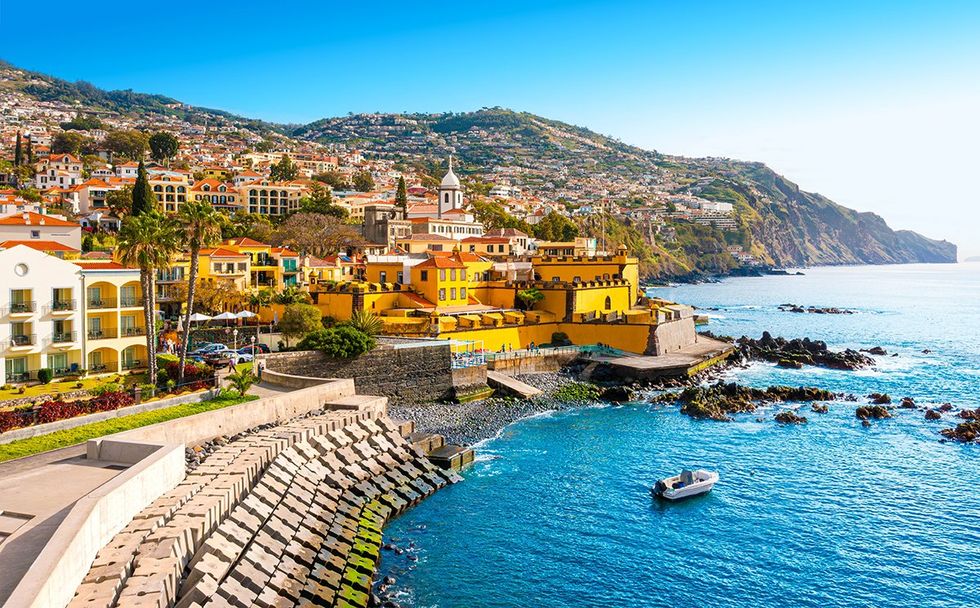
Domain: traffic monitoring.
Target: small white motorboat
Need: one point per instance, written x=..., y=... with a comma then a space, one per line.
x=687, y=484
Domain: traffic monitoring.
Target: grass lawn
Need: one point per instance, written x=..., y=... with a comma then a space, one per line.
x=68, y=437
x=244, y=367
x=58, y=387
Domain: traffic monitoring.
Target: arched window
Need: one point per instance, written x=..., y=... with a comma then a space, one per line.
x=608, y=303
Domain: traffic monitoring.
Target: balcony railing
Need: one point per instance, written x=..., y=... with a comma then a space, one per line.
x=63, y=337
x=105, y=366
x=134, y=364
x=24, y=376
x=61, y=306
x=129, y=302
x=21, y=308
x=133, y=331
x=102, y=334
x=23, y=340
x=95, y=303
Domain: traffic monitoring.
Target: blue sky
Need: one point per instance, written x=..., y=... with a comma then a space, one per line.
x=873, y=104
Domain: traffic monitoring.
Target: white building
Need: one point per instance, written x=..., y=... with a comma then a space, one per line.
x=450, y=192
x=68, y=316
x=58, y=171
x=29, y=226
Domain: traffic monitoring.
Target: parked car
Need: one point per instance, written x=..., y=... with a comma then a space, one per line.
x=208, y=348
x=218, y=358
x=258, y=347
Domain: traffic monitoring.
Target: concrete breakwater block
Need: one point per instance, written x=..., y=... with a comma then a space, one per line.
x=453, y=457
x=427, y=442
x=288, y=516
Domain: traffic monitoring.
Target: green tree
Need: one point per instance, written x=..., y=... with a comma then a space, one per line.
x=401, y=194
x=18, y=152
x=201, y=228
x=82, y=123
x=321, y=201
x=284, y=170
x=29, y=151
x=120, y=202
x=291, y=295
x=341, y=342
x=363, y=182
x=298, y=320
x=556, y=227
x=241, y=380
x=334, y=179
x=148, y=241
x=163, y=147
x=316, y=234
x=260, y=299
x=529, y=297
x=128, y=143
x=70, y=142
x=367, y=322
x=143, y=198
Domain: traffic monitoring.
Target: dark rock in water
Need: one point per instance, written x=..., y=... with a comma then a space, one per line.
x=932, y=414
x=907, y=403
x=790, y=417
x=617, y=394
x=389, y=580
x=880, y=398
x=820, y=408
x=789, y=363
x=718, y=401
x=894, y=354
x=926, y=351
x=946, y=407
x=865, y=423
x=866, y=412
x=804, y=351
x=820, y=310
x=964, y=432
x=876, y=350
x=970, y=414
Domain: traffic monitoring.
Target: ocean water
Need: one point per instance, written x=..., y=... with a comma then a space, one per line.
x=556, y=511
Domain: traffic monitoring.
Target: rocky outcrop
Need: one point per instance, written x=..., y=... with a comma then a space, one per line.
x=798, y=351
x=880, y=398
x=872, y=412
x=932, y=414
x=820, y=408
x=790, y=417
x=965, y=432
x=825, y=310
x=719, y=401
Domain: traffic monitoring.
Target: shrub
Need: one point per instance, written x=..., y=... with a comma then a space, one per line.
x=148, y=390
x=560, y=338
x=45, y=374
x=577, y=392
x=241, y=381
x=527, y=298
x=7, y=387
x=163, y=359
x=343, y=342
x=56, y=409
x=193, y=372
x=366, y=322
x=298, y=320
x=108, y=387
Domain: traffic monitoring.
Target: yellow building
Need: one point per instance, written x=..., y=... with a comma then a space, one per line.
x=171, y=191
x=465, y=296
x=222, y=196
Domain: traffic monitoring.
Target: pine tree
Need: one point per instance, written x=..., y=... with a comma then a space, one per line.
x=29, y=152
x=144, y=200
x=18, y=153
x=401, y=195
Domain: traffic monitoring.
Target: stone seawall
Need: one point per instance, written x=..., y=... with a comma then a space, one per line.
x=532, y=363
x=405, y=375
x=288, y=516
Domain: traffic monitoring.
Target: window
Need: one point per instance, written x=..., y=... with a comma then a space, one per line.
x=462, y=274
x=401, y=277
x=35, y=234
x=442, y=295
x=384, y=276
x=462, y=293
x=442, y=274
x=452, y=274
x=425, y=275
x=452, y=293
x=608, y=303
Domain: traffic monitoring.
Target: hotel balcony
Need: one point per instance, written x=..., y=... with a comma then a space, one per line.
x=20, y=308
x=22, y=341
x=106, y=333
x=98, y=303
x=133, y=364
x=130, y=302
x=65, y=337
x=25, y=376
x=60, y=307
x=129, y=332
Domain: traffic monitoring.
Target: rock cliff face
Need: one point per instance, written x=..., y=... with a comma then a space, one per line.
x=803, y=228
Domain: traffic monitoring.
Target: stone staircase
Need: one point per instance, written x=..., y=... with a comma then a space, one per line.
x=287, y=516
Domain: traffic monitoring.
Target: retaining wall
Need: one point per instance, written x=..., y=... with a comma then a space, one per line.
x=404, y=375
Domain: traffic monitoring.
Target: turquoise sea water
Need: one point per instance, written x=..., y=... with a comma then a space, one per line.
x=556, y=510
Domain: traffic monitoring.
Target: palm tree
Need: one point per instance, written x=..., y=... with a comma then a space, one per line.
x=260, y=299
x=201, y=228
x=148, y=241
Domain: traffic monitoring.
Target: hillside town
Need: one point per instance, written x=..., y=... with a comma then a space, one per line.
x=289, y=225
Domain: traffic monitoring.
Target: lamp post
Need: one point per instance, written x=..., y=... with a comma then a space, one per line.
x=234, y=334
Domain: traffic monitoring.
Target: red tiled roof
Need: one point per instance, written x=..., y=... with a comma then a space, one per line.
x=441, y=262
x=102, y=266
x=223, y=252
x=35, y=219
x=39, y=245
x=244, y=241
